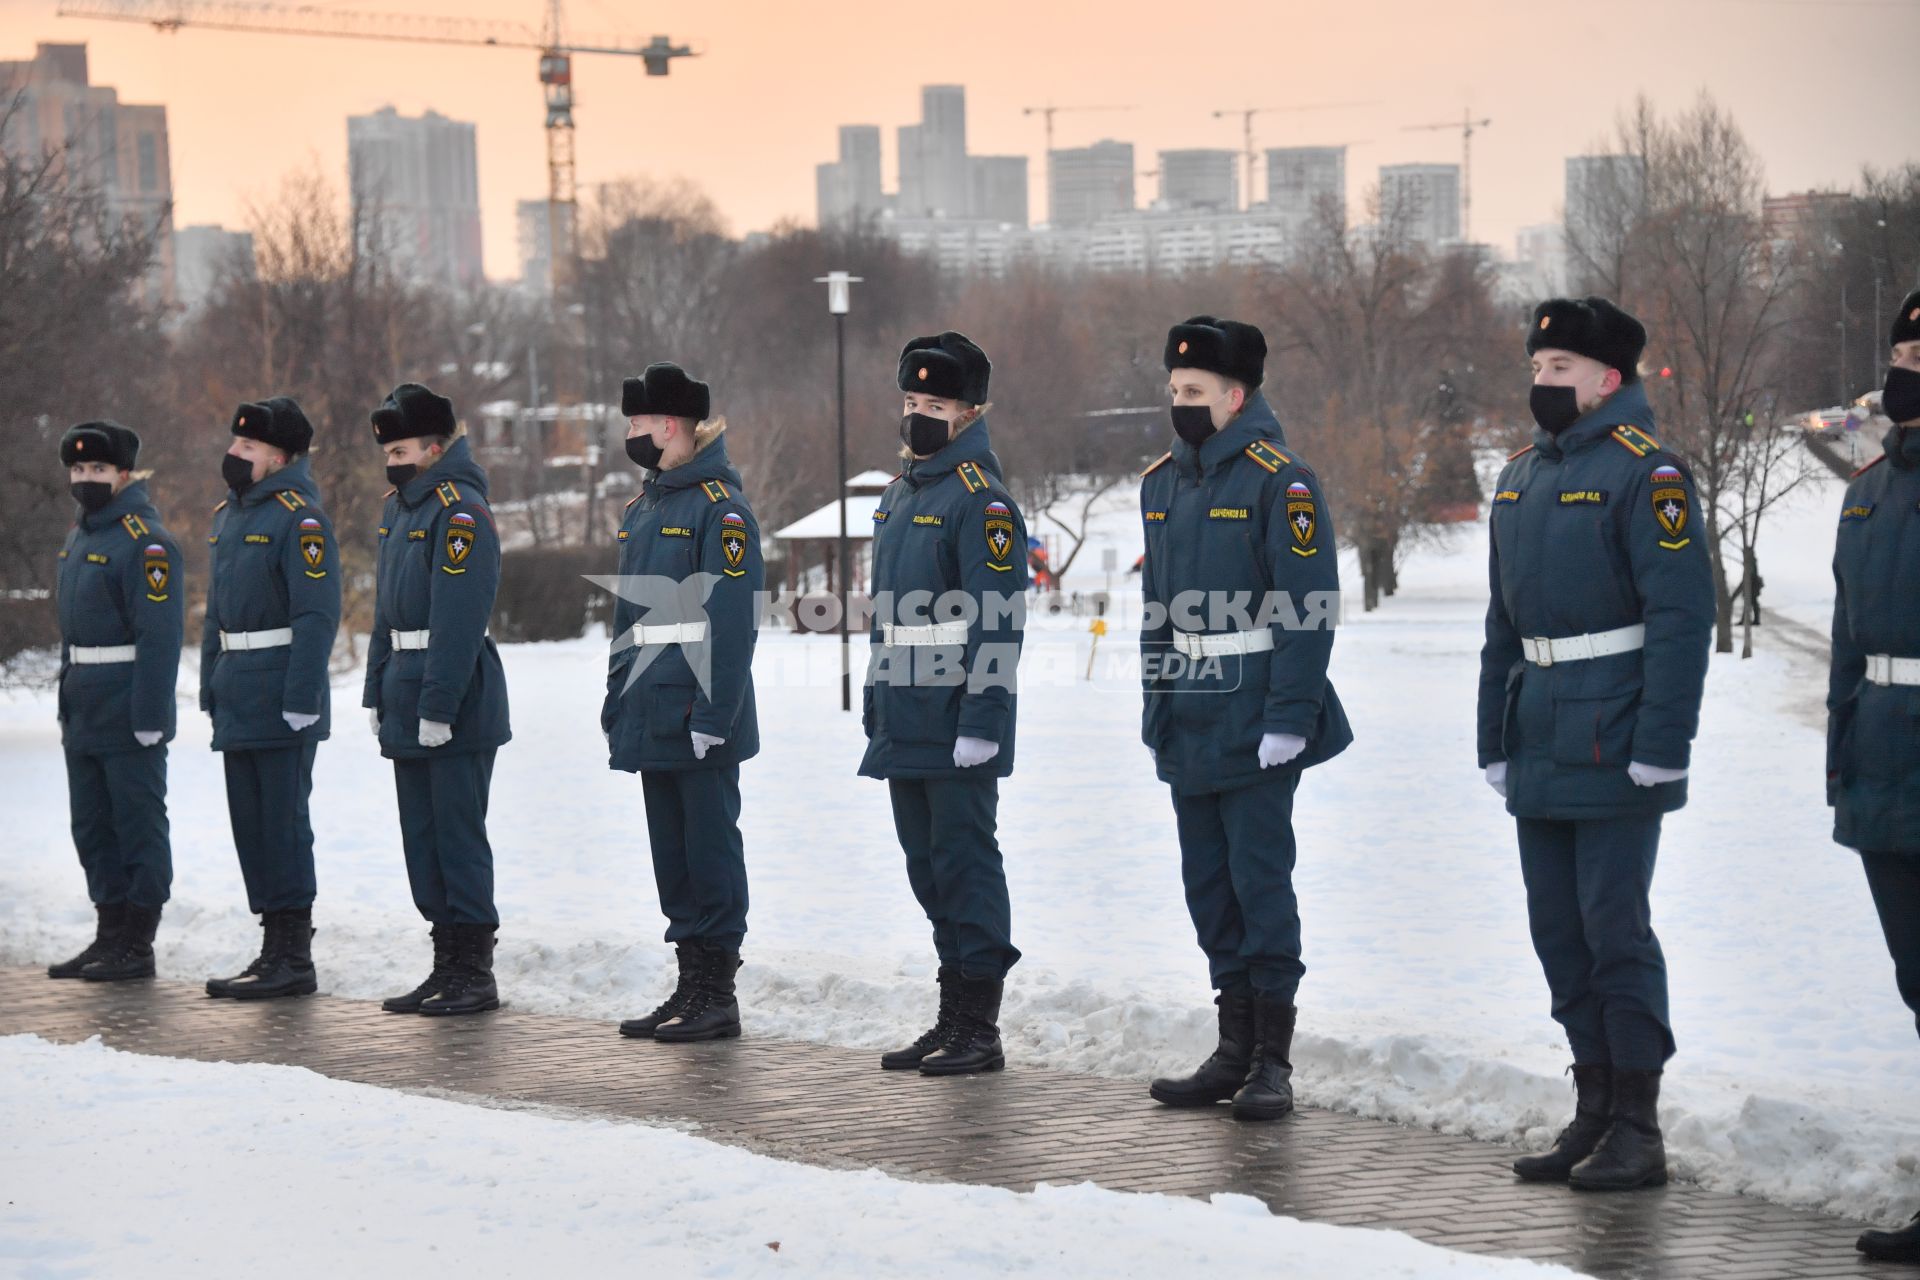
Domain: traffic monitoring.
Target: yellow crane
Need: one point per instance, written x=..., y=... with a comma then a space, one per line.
x=1467, y=126
x=1247, y=114
x=555, y=64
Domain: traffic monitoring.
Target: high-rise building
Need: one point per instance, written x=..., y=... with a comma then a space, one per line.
x=1603, y=194
x=1085, y=183
x=1301, y=179
x=116, y=148
x=999, y=191
x=1802, y=213
x=417, y=185
x=534, y=233
x=943, y=150
x=1539, y=268
x=1200, y=179
x=848, y=189
x=1423, y=201
x=203, y=256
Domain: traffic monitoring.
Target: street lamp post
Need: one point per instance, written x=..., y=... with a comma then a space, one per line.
x=839, y=297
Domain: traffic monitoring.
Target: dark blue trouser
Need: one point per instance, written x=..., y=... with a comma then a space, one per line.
x=267, y=800
x=1895, y=881
x=118, y=800
x=699, y=863
x=946, y=828
x=443, y=825
x=1588, y=882
x=1236, y=861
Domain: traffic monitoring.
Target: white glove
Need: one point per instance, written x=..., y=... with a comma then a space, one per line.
x=1278, y=748
x=435, y=734
x=1497, y=776
x=373, y=718
x=147, y=737
x=1652, y=775
x=703, y=743
x=297, y=720
x=968, y=752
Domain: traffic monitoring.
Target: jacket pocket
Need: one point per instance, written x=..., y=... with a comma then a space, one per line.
x=919, y=713
x=668, y=708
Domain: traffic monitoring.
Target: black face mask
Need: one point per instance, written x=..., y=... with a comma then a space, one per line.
x=925, y=435
x=237, y=472
x=91, y=494
x=1554, y=408
x=1900, y=399
x=1193, y=422
x=401, y=472
x=644, y=452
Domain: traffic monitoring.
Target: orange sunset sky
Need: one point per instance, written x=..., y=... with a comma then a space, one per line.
x=1820, y=86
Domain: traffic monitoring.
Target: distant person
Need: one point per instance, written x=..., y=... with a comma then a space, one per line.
x=121, y=605
x=679, y=709
x=1236, y=711
x=1873, y=693
x=273, y=610
x=436, y=691
x=939, y=704
x=1596, y=653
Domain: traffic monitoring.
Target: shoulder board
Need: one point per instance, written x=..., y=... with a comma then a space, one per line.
x=972, y=476
x=1268, y=455
x=290, y=500
x=389, y=493
x=1635, y=441
x=630, y=501
x=134, y=525
x=447, y=494
x=715, y=491
x=1870, y=466
x=1519, y=452
x=1157, y=463
x=222, y=506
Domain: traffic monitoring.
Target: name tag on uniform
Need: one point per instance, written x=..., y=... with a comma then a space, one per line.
x=1856, y=513
x=1583, y=497
x=416, y=535
x=258, y=537
x=675, y=531
x=94, y=557
x=1506, y=495
x=928, y=520
x=1227, y=513
x=1156, y=515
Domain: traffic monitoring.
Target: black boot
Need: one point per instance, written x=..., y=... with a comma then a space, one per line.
x=1593, y=1104
x=107, y=923
x=1222, y=1074
x=469, y=986
x=1902, y=1245
x=285, y=963
x=1268, y=1092
x=973, y=1045
x=442, y=935
x=129, y=954
x=643, y=1028
x=933, y=1037
x=1630, y=1153
x=710, y=1011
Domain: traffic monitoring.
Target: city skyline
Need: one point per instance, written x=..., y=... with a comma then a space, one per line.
x=750, y=119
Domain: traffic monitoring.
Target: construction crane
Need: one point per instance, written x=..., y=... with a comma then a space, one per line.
x=555, y=66
x=1467, y=126
x=1046, y=115
x=1247, y=114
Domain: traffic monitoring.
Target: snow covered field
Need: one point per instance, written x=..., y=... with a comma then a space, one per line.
x=1423, y=1001
x=410, y=1182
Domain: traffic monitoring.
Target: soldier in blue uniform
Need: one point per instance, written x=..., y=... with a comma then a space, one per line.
x=273, y=608
x=949, y=589
x=436, y=690
x=679, y=707
x=1590, y=679
x=121, y=607
x=1237, y=704
x=1873, y=695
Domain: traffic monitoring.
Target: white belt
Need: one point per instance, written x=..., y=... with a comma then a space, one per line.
x=409, y=639
x=1199, y=646
x=101, y=654
x=937, y=633
x=670, y=633
x=276, y=638
x=1542, y=652
x=1884, y=668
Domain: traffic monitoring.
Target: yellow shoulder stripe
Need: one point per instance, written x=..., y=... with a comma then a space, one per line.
x=1157, y=463
x=290, y=500
x=447, y=494
x=1264, y=453
x=714, y=490
x=972, y=477
x=134, y=525
x=222, y=505
x=1635, y=441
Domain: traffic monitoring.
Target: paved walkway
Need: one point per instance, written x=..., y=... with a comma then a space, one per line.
x=834, y=1107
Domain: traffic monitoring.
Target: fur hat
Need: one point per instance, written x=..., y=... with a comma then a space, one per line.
x=1591, y=327
x=1906, y=321
x=947, y=365
x=277, y=421
x=1226, y=347
x=411, y=411
x=667, y=390
x=102, y=441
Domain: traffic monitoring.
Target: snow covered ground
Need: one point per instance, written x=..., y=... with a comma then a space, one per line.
x=160, y=1167
x=1423, y=1001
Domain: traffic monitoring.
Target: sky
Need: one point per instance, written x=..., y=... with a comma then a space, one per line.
x=1821, y=88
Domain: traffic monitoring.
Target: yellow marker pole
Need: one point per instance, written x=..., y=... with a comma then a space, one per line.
x=1098, y=628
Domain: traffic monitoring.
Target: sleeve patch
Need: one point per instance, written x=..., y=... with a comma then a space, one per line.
x=156, y=572
x=1302, y=518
